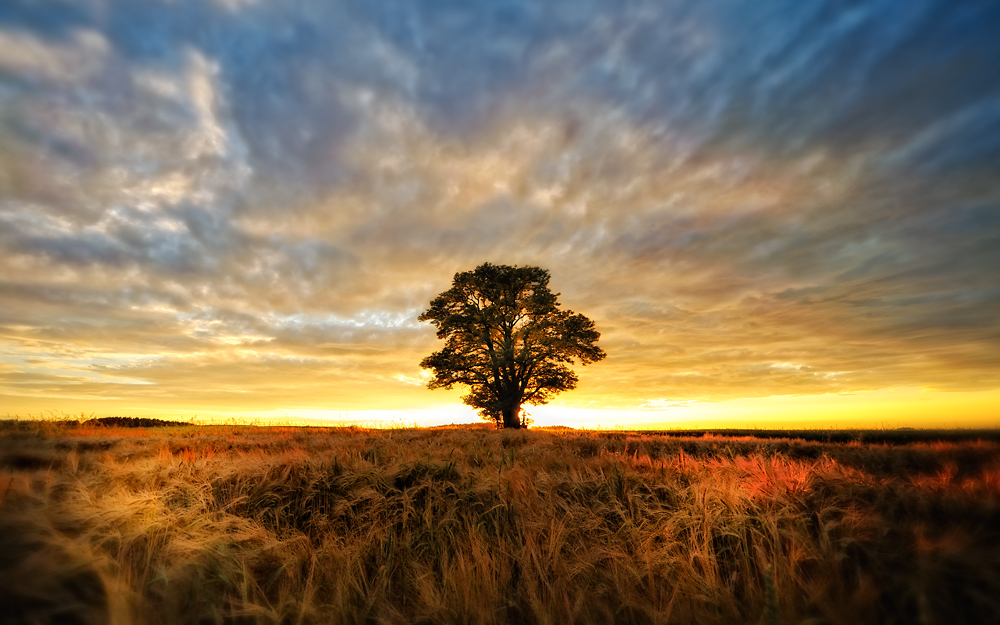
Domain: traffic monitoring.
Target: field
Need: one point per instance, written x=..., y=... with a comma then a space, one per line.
x=469, y=525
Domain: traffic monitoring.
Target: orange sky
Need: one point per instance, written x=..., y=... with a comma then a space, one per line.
x=789, y=224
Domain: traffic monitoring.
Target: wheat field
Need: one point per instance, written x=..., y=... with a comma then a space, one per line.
x=238, y=524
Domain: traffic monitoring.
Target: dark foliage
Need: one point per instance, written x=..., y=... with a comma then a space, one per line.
x=507, y=340
x=132, y=422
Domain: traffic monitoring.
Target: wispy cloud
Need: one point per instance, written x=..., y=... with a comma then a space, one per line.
x=247, y=204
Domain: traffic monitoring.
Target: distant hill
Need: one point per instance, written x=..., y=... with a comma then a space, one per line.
x=131, y=422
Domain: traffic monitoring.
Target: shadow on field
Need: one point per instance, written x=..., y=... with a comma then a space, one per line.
x=233, y=524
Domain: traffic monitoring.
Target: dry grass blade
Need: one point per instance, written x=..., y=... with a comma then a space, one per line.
x=251, y=525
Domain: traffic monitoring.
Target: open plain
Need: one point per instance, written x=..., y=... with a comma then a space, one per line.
x=239, y=524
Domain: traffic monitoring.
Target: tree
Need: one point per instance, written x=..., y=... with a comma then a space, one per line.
x=507, y=340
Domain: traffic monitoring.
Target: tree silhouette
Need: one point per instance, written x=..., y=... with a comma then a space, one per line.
x=507, y=340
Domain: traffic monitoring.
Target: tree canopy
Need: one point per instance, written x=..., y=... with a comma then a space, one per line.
x=508, y=340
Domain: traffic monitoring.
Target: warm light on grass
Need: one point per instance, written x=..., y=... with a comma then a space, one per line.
x=226, y=524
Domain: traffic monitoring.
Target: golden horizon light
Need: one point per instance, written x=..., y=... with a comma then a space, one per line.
x=792, y=224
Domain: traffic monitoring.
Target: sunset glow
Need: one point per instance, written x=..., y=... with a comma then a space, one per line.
x=781, y=218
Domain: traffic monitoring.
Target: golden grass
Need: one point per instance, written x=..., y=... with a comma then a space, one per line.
x=231, y=524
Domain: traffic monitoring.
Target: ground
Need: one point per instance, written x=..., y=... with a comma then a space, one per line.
x=110, y=524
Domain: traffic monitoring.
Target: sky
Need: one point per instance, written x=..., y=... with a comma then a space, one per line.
x=782, y=213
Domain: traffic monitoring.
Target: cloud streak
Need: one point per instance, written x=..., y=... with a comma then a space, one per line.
x=247, y=204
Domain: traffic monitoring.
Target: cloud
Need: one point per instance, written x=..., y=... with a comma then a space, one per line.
x=251, y=202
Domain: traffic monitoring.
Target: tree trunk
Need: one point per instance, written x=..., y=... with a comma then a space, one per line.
x=511, y=416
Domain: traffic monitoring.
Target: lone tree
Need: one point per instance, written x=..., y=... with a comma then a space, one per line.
x=507, y=339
